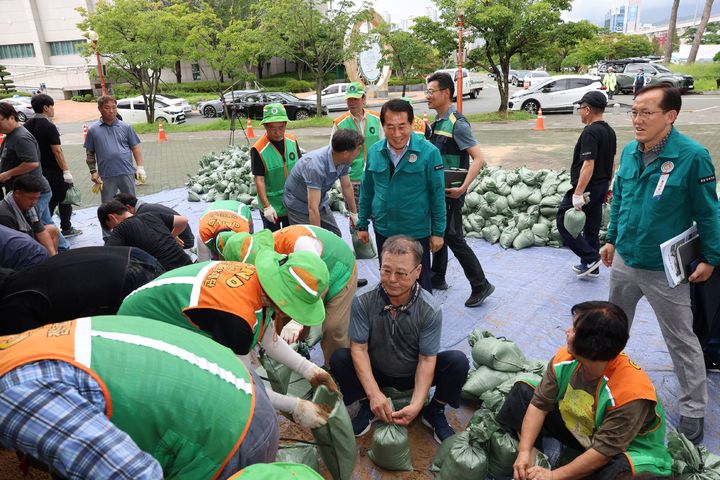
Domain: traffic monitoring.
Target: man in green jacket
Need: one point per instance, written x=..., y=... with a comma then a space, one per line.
x=665, y=182
x=403, y=187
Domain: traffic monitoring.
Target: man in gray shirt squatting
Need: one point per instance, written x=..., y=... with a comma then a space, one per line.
x=395, y=341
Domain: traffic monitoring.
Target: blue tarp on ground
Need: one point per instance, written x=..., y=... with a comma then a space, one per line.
x=535, y=289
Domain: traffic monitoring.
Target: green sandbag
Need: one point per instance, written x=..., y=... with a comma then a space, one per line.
x=483, y=421
x=525, y=221
x=363, y=251
x=487, y=184
x=472, y=200
x=491, y=233
x=501, y=205
x=466, y=459
x=520, y=192
x=497, y=220
x=574, y=221
x=537, y=367
x=551, y=201
x=502, y=452
x=528, y=177
x=473, y=235
x=483, y=379
x=564, y=187
x=691, y=462
x=525, y=377
x=277, y=374
x=400, y=398
x=390, y=447
x=495, y=353
x=507, y=236
x=512, y=178
x=477, y=222
x=605, y=216
x=493, y=400
x=535, y=197
x=503, y=189
x=487, y=210
x=444, y=449
x=336, y=440
x=304, y=453
x=550, y=184
x=541, y=230
x=490, y=197
x=466, y=224
x=524, y=239
x=74, y=197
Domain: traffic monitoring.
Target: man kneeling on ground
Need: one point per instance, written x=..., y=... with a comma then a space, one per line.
x=593, y=399
x=395, y=341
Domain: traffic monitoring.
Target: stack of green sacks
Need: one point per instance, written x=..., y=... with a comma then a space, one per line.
x=224, y=176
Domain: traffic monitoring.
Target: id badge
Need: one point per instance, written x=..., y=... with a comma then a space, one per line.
x=660, y=186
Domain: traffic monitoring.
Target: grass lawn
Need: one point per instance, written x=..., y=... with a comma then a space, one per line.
x=704, y=74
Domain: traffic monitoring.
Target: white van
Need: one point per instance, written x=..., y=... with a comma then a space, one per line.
x=132, y=110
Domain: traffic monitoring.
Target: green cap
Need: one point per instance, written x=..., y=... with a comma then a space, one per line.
x=274, y=112
x=295, y=283
x=355, y=90
x=243, y=247
x=277, y=471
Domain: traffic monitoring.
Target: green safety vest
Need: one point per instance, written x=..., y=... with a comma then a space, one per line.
x=442, y=138
x=161, y=386
x=371, y=134
x=277, y=169
x=622, y=382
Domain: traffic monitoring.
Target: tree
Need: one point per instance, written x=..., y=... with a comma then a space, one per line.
x=7, y=86
x=509, y=27
x=305, y=35
x=711, y=36
x=140, y=38
x=566, y=36
x=671, y=31
x=626, y=46
x=700, y=31
x=406, y=54
x=441, y=38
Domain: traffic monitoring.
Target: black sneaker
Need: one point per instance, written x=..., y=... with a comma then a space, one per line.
x=588, y=271
x=364, y=418
x=438, y=282
x=476, y=299
x=361, y=282
x=692, y=428
x=433, y=417
x=73, y=232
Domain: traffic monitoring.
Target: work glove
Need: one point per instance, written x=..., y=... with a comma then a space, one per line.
x=353, y=219
x=578, y=201
x=97, y=188
x=291, y=332
x=309, y=414
x=67, y=177
x=140, y=174
x=270, y=214
x=317, y=376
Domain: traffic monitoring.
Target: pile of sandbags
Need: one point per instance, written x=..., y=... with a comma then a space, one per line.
x=224, y=176
x=691, y=462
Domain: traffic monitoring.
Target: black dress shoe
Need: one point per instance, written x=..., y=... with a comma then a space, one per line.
x=438, y=283
x=361, y=282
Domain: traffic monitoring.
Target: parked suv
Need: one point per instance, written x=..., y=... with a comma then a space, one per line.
x=658, y=73
x=557, y=93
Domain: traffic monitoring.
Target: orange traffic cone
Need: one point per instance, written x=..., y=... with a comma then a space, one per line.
x=2, y=138
x=84, y=131
x=250, y=133
x=161, y=134
x=425, y=117
x=540, y=122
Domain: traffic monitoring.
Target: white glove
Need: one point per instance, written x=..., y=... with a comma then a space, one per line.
x=309, y=414
x=578, y=201
x=270, y=214
x=67, y=176
x=353, y=219
x=317, y=376
x=140, y=174
x=291, y=332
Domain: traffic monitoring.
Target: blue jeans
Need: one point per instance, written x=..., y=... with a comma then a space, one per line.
x=43, y=208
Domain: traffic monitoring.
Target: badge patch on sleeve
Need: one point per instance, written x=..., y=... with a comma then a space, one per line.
x=440, y=167
x=707, y=179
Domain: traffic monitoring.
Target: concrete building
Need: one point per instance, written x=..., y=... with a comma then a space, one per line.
x=624, y=18
x=40, y=44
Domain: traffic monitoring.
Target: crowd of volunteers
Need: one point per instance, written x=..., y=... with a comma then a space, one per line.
x=137, y=359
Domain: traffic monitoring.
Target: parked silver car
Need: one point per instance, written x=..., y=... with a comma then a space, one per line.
x=214, y=108
x=22, y=106
x=332, y=96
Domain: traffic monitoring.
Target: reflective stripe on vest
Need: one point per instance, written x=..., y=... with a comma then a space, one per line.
x=277, y=168
x=371, y=134
x=442, y=138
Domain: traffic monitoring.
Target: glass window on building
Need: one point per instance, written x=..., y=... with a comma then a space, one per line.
x=23, y=50
x=69, y=47
x=195, y=71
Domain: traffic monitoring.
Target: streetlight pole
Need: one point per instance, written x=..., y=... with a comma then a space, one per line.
x=459, y=92
x=94, y=39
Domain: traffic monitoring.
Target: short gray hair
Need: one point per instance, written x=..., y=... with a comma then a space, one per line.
x=402, y=245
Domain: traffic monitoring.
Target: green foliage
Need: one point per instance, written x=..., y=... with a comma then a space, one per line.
x=83, y=98
x=711, y=36
x=612, y=46
x=398, y=82
x=406, y=54
x=704, y=74
x=442, y=39
x=716, y=58
x=6, y=86
x=296, y=86
x=626, y=46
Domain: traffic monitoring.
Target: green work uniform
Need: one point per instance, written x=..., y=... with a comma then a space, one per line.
x=641, y=218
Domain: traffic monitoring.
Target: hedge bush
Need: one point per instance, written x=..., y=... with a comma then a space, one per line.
x=296, y=86
x=83, y=98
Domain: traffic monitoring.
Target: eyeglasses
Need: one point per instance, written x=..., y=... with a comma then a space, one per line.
x=386, y=272
x=430, y=91
x=644, y=115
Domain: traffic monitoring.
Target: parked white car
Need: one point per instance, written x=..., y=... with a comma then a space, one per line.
x=554, y=93
x=534, y=76
x=332, y=96
x=132, y=110
x=174, y=101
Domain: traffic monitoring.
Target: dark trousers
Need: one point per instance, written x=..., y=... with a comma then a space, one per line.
x=451, y=368
x=587, y=244
x=455, y=241
x=59, y=188
x=424, y=279
x=512, y=413
x=282, y=222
